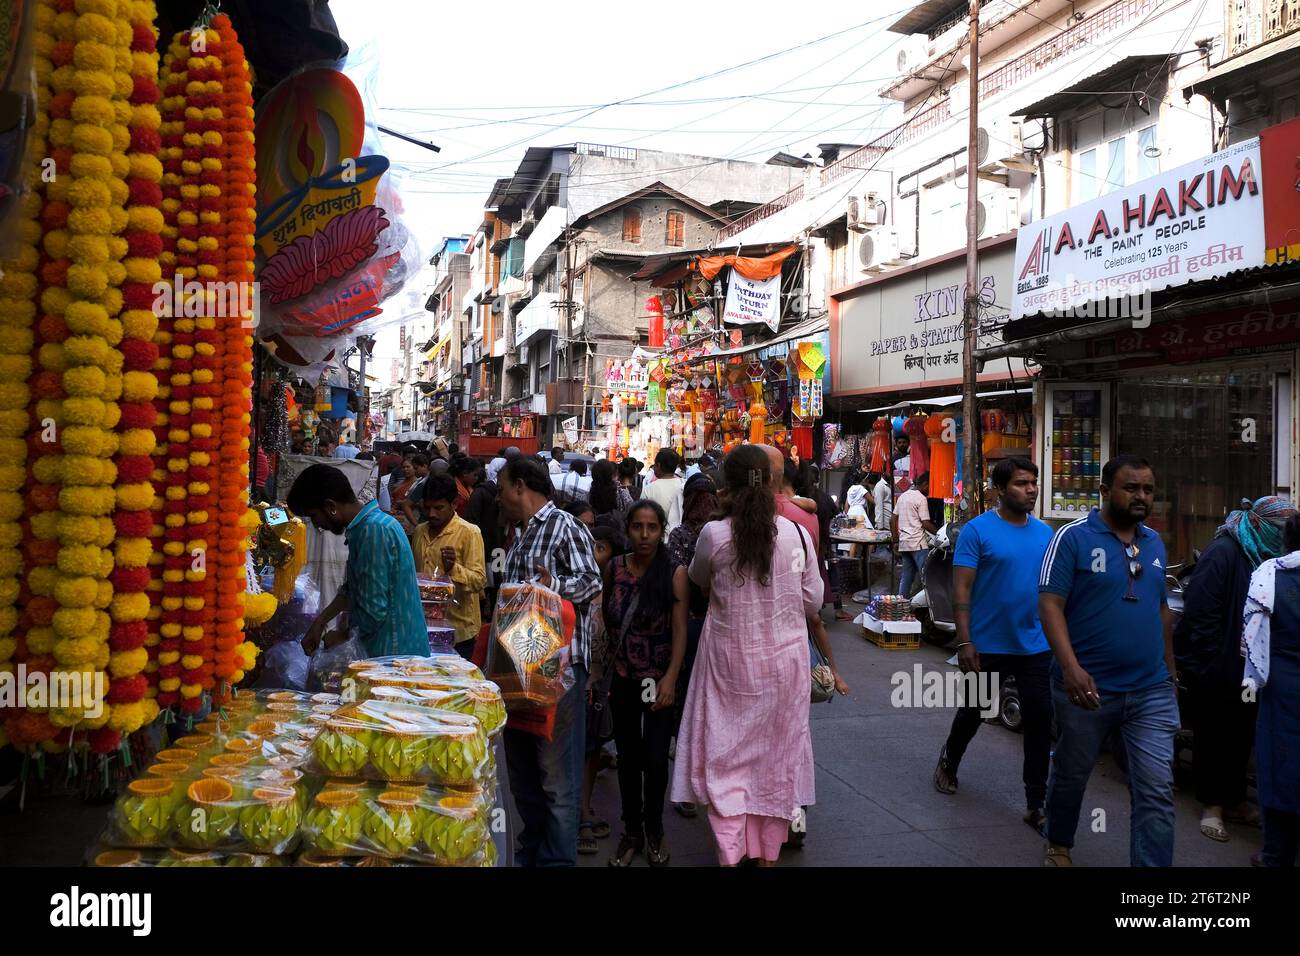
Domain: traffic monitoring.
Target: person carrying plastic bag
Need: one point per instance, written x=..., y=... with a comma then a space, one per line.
x=546, y=774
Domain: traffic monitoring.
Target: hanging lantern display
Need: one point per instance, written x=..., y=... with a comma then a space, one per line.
x=941, y=431
x=878, y=450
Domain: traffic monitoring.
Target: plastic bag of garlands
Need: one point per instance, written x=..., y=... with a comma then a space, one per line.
x=379, y=740
x=435, y=825
x=294, y=616
x=216, y=808
x=331, y=243
x=530, y=658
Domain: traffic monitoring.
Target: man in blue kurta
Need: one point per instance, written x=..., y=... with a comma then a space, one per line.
x=379, y=591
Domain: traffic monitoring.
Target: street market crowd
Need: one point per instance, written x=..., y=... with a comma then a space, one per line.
x=698, y=596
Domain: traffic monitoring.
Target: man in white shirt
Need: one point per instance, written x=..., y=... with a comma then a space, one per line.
x=666, y=489
x=347, y=449
x=556, y=465
x=496, y=464
x=575, y=485
x=911, y=523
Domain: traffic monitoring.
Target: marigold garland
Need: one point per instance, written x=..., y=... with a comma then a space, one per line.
x=131, y=577
x=235, y=348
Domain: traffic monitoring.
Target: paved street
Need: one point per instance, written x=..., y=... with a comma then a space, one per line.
x=876, y=805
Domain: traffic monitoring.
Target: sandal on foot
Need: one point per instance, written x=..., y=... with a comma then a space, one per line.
x=945, y=780
x=843, y=616
x=656, y=853
x=1213, y=828
x=1057, y=856
x=687, y=809
x=628, y=848
x=1037, y=818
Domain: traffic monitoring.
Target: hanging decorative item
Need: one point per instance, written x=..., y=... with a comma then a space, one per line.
x=918, y=432
x=878, y=455
x=940, y=429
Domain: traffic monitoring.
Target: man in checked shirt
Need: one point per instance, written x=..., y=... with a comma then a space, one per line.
x=546, y=775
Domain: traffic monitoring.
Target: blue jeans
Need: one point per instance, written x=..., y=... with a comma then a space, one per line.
x=913, y=568
x=546, y=782
x=1147, y=721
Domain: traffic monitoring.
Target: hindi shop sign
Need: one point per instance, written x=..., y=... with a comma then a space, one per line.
x=1200, y=221
x=750, y=301
x=905, y=330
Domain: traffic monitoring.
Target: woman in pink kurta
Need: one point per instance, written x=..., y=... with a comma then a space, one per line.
x=744, y=747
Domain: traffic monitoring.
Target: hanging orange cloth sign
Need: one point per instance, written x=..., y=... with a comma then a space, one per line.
x=753, y=269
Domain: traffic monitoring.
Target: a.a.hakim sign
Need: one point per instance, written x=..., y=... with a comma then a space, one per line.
x=1199, y=221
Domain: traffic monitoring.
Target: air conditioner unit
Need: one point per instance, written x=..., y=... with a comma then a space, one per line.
x=863, y=212
x=913, y=53
x=998, y=213
x=959, y=98
x=907, y=247
x=878, y=250
x=998, y=142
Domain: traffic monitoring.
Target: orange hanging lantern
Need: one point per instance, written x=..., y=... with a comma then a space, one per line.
x=757, y=422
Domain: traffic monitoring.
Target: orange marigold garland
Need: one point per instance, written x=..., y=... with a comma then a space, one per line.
x=237, y=219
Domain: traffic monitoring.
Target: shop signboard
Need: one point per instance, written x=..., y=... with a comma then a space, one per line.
x=1202, y=220
x=905, y=330
x=753, y=300
x=1234, y=333
x=1279, y=150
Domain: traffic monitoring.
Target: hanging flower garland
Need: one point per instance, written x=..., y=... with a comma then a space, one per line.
x=238, y=219
x=51, y=134
x=172, y=431
x=133, y=519
x=19, y=285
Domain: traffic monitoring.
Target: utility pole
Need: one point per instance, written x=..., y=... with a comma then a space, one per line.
x=969, y=503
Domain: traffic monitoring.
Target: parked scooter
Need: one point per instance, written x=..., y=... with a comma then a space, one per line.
x=932, y=605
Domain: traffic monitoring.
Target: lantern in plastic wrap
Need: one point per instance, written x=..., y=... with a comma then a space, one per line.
x=757, y=422
x=919, y=447
x=656, y=310
x=943, y=454
x=879, y=448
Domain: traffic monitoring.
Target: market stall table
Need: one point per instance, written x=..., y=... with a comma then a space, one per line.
x=880, y=539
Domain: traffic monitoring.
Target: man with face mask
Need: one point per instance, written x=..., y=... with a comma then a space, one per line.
x=1102, y=603
x=995, y=603
x=379, y=591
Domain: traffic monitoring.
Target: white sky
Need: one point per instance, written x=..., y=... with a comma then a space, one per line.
x=446, y=68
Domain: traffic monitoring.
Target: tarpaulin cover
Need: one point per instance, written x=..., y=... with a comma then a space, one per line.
x=752, y=269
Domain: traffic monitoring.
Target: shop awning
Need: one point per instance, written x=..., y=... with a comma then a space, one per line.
x=441, y=344
x=944, y=401
x=1103, y=81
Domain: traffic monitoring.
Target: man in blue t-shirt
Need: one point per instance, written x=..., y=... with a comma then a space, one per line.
x=1102, y=603
x=995, y=600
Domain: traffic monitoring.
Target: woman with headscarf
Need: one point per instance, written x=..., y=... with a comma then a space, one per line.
x=1207, y=646
x=1272, y=651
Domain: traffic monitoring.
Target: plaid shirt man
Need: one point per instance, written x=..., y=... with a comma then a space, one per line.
x=562, y=545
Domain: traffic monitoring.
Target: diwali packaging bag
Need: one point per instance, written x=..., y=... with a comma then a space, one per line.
x=433, y=825
x=383, y=740
x=530, y=659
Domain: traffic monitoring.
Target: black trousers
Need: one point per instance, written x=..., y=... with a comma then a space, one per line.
x=1224, y=726
x=642, y=736
x=1034, y=687
x=1281, y=838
